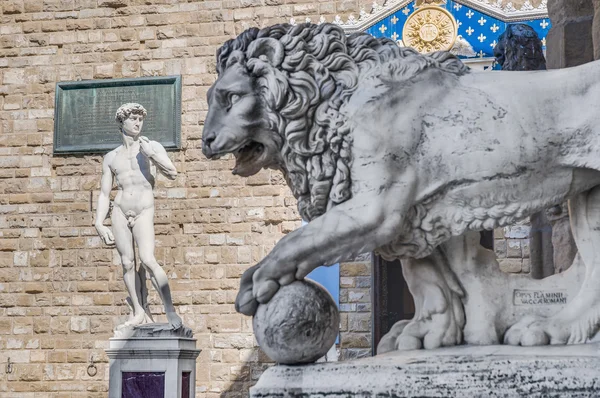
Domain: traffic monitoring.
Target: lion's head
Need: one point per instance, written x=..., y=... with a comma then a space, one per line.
x=237, y=122
x=278, y=103
x=520, y=48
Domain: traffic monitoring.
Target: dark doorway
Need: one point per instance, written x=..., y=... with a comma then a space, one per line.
x=392, y=300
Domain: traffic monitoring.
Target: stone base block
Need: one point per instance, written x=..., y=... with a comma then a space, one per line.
x=145, y=366
x=465, y=371
x=570, y=44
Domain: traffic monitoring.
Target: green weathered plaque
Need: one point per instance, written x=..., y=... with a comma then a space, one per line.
x=84, y=116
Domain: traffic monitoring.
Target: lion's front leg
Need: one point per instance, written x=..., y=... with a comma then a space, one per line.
x=359, y=225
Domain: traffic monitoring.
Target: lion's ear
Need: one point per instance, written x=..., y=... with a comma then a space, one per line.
x=267, y=49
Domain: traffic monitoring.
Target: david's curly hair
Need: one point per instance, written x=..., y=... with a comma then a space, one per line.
x=305, y=75
x=127, y=109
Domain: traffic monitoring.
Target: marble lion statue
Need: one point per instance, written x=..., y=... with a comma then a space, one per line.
x=410, y=155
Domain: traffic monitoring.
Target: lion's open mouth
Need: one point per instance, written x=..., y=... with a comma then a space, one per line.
x=247, y=159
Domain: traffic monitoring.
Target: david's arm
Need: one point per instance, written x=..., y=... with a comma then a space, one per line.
x=104, y=201
x=158, y=156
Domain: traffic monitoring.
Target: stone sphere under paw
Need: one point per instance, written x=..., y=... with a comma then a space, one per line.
x=298, y=325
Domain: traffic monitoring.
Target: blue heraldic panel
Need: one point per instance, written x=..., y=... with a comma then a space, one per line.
x=479, y=29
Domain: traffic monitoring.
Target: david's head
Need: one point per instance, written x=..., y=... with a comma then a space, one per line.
x=130, y=117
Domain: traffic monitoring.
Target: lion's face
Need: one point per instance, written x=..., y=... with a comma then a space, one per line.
x=236, y=123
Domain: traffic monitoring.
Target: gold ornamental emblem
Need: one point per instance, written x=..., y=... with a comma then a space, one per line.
x=430, y=29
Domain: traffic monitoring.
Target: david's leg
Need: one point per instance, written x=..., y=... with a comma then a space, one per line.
x=124, y=244
x=144, y=293
x=143, y=232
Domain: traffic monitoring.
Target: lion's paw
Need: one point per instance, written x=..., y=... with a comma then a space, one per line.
x=533, y=331
x=423, y=334
x=388, y=341
x=438, y=330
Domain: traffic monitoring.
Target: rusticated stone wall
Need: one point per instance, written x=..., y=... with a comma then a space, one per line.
x=61, y=291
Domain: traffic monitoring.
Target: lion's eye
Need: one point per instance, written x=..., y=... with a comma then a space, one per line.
x=233, y=98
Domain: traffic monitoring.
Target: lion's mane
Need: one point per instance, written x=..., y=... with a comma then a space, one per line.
x=318, y=71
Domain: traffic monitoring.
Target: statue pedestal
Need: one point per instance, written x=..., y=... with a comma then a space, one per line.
x=152, y=361
x=464, y=371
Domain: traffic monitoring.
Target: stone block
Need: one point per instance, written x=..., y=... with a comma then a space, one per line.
x=104, y=71
x=514, y=248
x=29, y=372
x=570, y=44
x=171, y=355
x=517, y=231
x=511, y=265
x=449, y=372
x=13, y=7
x=33, y=5
x=54, y=26
x=596, y=29
x=563, y=11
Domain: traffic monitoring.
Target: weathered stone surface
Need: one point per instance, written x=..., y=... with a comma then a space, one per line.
x=467, y=371
x=569, y=42
x=563, y=243
x=298, y=325
x=596, y=29
x=563, y=11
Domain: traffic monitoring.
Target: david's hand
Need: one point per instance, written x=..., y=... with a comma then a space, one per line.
x=146, y=147
x=106, y=235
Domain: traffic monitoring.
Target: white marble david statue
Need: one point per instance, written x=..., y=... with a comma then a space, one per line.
x=133, y=167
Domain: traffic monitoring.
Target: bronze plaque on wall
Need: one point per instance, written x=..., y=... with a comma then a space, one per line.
x=84, y=114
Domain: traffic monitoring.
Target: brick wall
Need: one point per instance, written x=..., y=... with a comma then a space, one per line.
x=355, y=308
x=61, y=291
x=511, y=244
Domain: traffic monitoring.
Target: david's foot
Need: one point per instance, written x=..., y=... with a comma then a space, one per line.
x=138, y=319
x=174, y=320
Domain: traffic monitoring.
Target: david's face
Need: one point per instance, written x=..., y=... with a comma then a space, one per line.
x=132, y=126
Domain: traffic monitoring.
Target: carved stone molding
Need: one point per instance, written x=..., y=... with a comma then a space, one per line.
x=494, y=8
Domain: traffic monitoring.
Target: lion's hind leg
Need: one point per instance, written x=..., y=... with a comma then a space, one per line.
x=579, y=320
x=439, y=316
